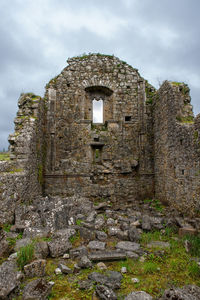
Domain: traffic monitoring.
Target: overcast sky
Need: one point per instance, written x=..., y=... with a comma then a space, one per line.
x=159, y=37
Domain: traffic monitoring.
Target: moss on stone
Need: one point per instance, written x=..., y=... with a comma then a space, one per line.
x=87, y=56
x=150, y=92
x=187, y=120
x=4, y=156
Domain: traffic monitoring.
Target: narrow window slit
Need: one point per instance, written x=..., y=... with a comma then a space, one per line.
x=97, y=106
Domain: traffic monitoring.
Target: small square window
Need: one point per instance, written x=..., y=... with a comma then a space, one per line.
x=127, y=118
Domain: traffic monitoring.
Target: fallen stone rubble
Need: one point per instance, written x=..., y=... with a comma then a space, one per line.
x=106, y=234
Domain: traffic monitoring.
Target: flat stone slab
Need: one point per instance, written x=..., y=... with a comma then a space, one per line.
x=112, y=279
x=128, y=246
x=107, y=255
x=37, y=289
x=187, y=231
x=139, y=296
x=158, y=244
x=96, y=245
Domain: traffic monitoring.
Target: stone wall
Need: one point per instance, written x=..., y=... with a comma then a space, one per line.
x=112, y=160
x=21, y=178
x=176, y=146
x=148, y=144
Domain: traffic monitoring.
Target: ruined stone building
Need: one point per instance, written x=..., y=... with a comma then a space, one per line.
x=147, y=143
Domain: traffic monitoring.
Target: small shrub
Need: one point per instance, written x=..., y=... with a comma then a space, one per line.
x=25, y=255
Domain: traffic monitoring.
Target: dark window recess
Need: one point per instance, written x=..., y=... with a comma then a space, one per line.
x=181, y=142
x=96, y=139
x=68, y=84
x=127, y=118
x=183, y=172
x=128, y=87
x=97, y=155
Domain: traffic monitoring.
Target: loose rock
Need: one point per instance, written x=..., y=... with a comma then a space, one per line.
x=38, y=289
x=105, y=293
x=36, y=268
x=9, y=278
x=128, y=246
x=64, y=269
x=138, y=296
x=96, y=245
x=190, y=292
x=85, y=262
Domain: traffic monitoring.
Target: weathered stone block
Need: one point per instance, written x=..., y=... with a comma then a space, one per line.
x=36, y=268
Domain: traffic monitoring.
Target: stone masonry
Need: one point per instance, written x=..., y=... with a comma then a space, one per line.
x=148, y=145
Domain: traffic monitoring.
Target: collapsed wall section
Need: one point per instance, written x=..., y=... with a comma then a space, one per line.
x=176, y=148
x=21, y=178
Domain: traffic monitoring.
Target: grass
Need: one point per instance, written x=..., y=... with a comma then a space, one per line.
x=25, y=255
x=194, y=242
x=79, y=222
x=150, y=267
x=86, y=56
x=15, y=170
x=12, y=241
x=6, y=227
x=183, y=88
x=162, y=268
x=67, y=286
x=177, y=83
x=4, y=156
x=155, y=203
x=76, y=239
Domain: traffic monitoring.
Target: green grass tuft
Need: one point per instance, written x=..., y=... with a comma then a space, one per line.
x=6, y=227
x=150, y=267
x=25, y=255
x=12, y=241
x=194, y=244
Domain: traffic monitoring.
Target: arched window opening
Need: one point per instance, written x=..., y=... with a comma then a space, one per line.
x=97, y=110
